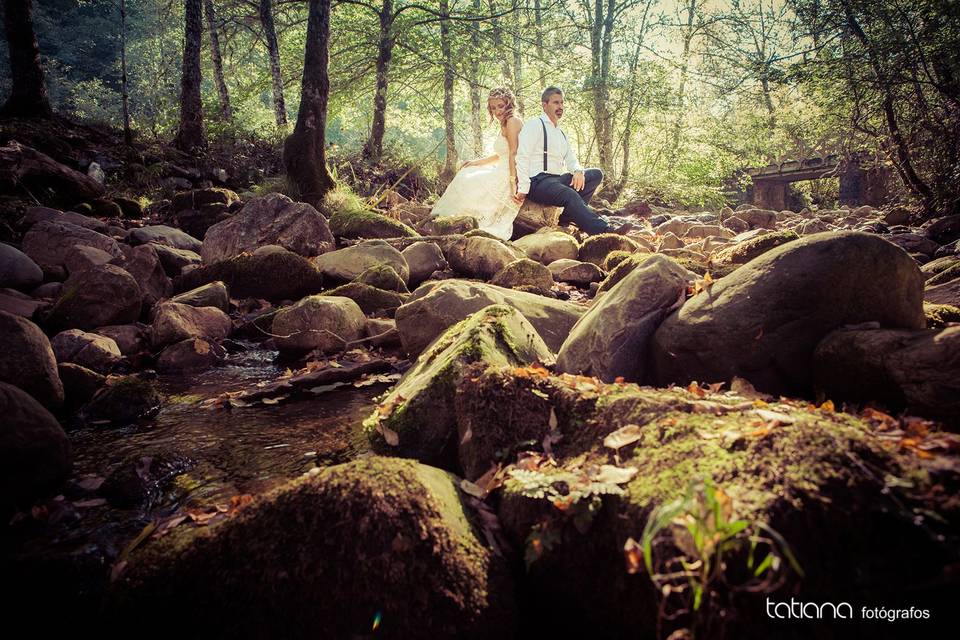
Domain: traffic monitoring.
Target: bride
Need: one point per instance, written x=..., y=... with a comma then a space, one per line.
x=484, y=188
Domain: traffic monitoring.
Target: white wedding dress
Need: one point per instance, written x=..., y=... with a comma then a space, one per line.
x=484, y=193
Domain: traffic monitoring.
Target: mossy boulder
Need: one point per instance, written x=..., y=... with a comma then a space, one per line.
x=416, y=418
x=744, y=252
x=344, y=265
x=549, y=246
x=946, y=275
x=214, y=294
x=614, y=258
x=370, y=299
x=423, y=258
x=575, y=272
x=481, y=257
x=322, y=322
x=367, y=224
x=99, y=296
x=626, y=266
x=523, y=273
x=938, y=315
x=28, y=361
x=124, y=399
x=197, y=198
x=383, y=276
x=270, y=274
x=764, y=320
x=377, y=538
x=449, y=225
x=596, y=248
x=785, y=466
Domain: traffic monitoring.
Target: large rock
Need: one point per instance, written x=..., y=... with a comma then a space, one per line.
x=143, y=263
x=34, y=215
x=214, y=294
x=50, y=243
x=416, y=419
x=523, y=273
x=174, y=260
x=344, y=265
x=130, y=338
x=28, y=361
x=173, y=322
x=944, y=293
x=81, y=258
x=377, y=538
x=575, y=272
x=914, y=370
x=744, y=252
x=192, y=354
x=944, y=230
x=370, y=299
x=274, y=219
x=34, y=451
x=435, y=307
x=367, y=224
x=385, y=277
x=79, y=384
x=324, y=323
x=423, y=258
x=162, y=234
x=89, y=350
x=914, y=243
x=480, y=257
x=549, y=246
x=198, y=198
x=763, y=321
x=273, y=274
x=18, y=270
x=612, y=339
x=596, y=248
x=448, y=225
x=125, y=399
x=100, y=296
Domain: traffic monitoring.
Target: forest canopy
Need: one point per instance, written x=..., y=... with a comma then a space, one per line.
x=669, y=97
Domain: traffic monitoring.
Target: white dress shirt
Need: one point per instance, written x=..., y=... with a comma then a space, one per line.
x=560, y=156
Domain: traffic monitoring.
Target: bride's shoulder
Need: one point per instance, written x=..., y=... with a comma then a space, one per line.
x=514, y=123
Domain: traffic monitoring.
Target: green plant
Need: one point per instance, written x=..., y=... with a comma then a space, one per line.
x=690, y=545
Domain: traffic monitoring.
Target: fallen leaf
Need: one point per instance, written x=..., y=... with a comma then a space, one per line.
x=610, y=474
x=695, y=389
x=472, y=489
x=633, y=556
x=623, y=436
x=827, y=406
x=389, y=435
x=774, y=416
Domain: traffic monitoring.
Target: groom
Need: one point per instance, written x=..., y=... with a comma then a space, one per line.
x=548, y=170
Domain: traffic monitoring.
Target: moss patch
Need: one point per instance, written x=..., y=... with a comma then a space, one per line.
x=369, y=299
x=938, y=315
x=596, y=248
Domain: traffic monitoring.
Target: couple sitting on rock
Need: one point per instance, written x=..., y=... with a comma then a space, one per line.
x=530, y=160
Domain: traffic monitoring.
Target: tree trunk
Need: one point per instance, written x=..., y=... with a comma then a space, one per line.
x=124, y=95
x=304, y=152
x=450, y=162
x=498, y=46
x=538, y=34
x=191, y=136
x=684, y=68
x=28, y=99
x=475, y=98
x=373, y=149
x=517, y=58
x=601, y=44
x=225, y=112
x=270, y=35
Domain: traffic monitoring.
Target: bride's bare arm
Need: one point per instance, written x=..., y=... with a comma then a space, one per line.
x=513, y=127
x=479, y=162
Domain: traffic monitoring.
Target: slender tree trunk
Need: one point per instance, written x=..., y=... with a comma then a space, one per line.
x=498, y=46
x=124, y=95
x=601, y=45
x=517, y=57
x=191, y=135
x=538, y=35
x=450, y=162
x=28, y=99
x=304, y=151
x=475, y=99
x=225, y=111
x=373, y=149
x=270, y=35
x=681, y=90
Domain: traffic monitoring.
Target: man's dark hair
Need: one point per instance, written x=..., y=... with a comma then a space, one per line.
x=549, y=91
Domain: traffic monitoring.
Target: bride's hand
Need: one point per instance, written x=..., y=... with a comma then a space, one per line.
x=468, y=163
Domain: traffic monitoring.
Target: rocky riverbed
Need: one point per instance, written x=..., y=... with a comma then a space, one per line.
x=277, y=420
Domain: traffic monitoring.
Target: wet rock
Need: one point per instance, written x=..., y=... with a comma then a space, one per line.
x=45, y=214
x=549, y=246
x=174, y=260
x=28, y=361
x=945, y=293
x=174, y=322
x=383, y=332
x=344, y=265
x=89, y=350
x=143, y=263
x=79, y=384
x=596, y=248
x=943, y=230
x=744, y=252
x=383, y=276
x=613, y=337
x=448, y=225
x=140, y=482
x=197, y=198
x=436, y=306
x=575, y=272
x=99, y=296
x=34, y=451
x=914, y=370
x=416, y=418
x=374, y=535
x=130, y=338
x=370, y=299
x=523, y=273
x=50, y=243
x=162, y=234
x=192, y=354
x=123, y=400
x=273, y=275
x=214, y=294
x=321, y=322
x=913, y=243
x=274, y=219
x=945, y=275
x=780, y=305
x=480, y=257
x=423, y=258
x=82, y=258
x=367, y=224
x=18, y=270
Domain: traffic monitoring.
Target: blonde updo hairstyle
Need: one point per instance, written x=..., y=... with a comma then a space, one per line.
x=505, y=94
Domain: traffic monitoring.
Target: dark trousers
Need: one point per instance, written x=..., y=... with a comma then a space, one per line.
x=555, y=191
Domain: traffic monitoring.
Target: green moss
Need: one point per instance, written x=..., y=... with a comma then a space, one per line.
x=938, y=315
x=596, y=248
x=614, y=258
x=383, y=276
x=523, y=272
x=450, y=225
x=369, y=299
x=948, y=274
x=278, y=275
x=351, y=218
x=622, y=270
x=747, y=250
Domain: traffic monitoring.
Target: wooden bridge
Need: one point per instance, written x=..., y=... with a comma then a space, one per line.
x=863, y=180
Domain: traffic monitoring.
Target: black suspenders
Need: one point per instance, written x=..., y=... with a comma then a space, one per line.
x=545, y=142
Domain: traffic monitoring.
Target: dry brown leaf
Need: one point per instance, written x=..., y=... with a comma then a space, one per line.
x=623, y=436
x=774, y=416
x=633, y=556
x=610, y=474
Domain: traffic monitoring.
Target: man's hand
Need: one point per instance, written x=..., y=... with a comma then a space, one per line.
x=519, y=198
x=578, y=181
